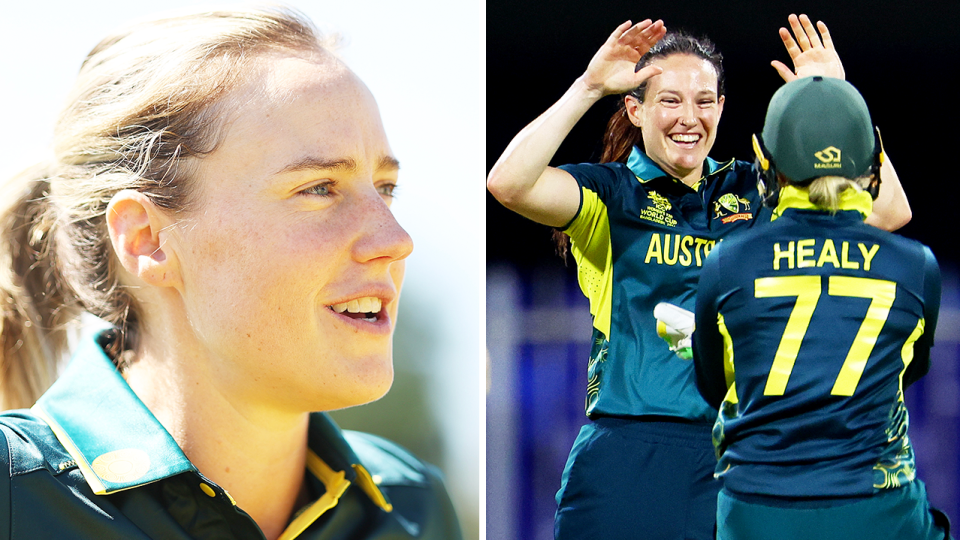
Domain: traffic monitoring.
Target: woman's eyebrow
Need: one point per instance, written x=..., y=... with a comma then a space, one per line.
x=337, y=164
x=315, y=163
x=388, y=162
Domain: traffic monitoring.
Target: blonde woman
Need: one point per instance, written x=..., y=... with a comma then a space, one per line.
x=220, y=193
x=808, y=331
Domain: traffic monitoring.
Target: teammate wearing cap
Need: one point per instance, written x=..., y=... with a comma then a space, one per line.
x=640, y=225
x=808, y=330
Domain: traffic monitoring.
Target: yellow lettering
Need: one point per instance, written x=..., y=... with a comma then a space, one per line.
x=845, y=261
x=700, y=243
x=868, y=255
x=666, y=249
x=804, y=250
x=685, y=258
x=654, y=250
x=782, y=254
x=828, y=254
x=708, y=247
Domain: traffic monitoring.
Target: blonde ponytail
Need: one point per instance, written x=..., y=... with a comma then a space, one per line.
x=825, y=191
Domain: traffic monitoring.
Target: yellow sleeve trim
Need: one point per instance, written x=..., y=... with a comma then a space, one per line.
x=591, y=248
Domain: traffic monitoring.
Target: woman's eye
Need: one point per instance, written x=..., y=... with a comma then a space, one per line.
x=323, y=190
x=387, y=190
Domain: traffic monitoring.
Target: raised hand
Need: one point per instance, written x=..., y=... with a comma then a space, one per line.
x=611, y=70
x=811, y=53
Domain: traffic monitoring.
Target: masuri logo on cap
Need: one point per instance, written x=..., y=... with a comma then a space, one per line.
x=830, y=156
x=819, y=126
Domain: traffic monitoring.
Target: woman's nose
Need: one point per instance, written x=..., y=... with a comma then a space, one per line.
x=382, y=236
x=688, y=115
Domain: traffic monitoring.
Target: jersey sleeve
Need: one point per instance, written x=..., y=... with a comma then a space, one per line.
x=598, y=185
x=931, y=310
x=708, y=345
x=5, y=482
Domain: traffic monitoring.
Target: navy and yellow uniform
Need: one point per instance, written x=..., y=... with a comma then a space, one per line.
x=808, y=330
x=89, y=460
x=640, y=238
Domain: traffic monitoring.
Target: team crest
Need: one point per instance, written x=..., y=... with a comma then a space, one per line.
x=729, y=208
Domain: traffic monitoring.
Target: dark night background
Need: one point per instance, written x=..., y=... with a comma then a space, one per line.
x=902, y=56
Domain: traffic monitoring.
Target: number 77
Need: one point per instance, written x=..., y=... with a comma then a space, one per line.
x=807, y=289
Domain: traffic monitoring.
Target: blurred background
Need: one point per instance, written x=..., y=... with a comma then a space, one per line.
x=901, y=55
x=421, y=59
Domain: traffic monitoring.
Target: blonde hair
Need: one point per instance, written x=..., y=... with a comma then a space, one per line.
x=825, y=191
x=147, y=100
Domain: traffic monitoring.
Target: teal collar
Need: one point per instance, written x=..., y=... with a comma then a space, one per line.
x=645, y=169
x=118, y=444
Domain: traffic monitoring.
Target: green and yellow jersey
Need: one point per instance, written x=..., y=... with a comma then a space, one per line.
x=640, y=238
x=808, y=330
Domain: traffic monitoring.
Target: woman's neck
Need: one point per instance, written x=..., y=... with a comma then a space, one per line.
x=257, y=454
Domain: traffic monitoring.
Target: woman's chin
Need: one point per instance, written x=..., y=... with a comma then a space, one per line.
x=365, y=386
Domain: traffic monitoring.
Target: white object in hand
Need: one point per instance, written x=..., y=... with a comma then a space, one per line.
x=675, y=325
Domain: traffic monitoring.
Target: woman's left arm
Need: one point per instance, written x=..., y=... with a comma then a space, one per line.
x=813, y=53
x=891, y=210
x=708, y=345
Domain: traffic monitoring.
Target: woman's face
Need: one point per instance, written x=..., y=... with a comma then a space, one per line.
x=292, y=261
x=679, y=115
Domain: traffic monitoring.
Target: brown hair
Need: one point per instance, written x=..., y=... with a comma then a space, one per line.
x=146, y=104
x=621, y=135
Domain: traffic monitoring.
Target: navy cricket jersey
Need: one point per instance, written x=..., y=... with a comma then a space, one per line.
x=808, y=329
x=640, y=238
x=90, y=461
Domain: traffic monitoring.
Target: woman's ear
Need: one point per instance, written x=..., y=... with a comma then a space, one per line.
x=137, y=231
x=632, y=106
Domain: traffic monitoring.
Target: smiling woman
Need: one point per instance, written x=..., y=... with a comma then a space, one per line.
x=220, y=193
x=640, y=226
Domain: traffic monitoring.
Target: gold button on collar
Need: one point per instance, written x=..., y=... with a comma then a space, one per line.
x=208, y=490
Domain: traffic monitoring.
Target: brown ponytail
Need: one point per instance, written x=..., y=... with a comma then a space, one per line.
x=620, y=137
x=33, y=304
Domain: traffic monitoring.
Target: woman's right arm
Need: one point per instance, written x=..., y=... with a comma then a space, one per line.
x=522, y=179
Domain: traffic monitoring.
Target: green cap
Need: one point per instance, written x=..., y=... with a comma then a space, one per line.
x=819, y=126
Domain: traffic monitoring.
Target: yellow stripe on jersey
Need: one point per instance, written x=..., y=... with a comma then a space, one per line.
x=728, y=369
x=591, y=248
x=906, y=353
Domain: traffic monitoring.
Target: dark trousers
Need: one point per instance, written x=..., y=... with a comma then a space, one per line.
x=630, y=479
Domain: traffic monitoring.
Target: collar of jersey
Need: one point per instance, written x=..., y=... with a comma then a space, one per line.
x=95, y=414
x=799, y=198
x=645, y=169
